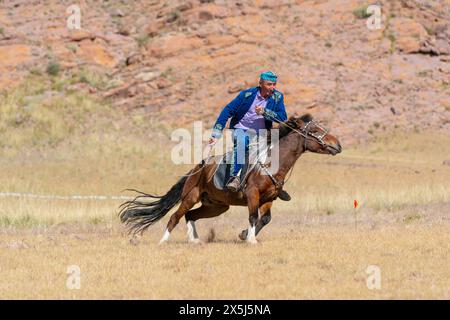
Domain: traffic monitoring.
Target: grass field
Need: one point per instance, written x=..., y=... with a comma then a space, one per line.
x=312, y=248
x=291, y=262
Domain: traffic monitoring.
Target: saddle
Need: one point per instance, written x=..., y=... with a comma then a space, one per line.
x=224, y=169
x=223, y=173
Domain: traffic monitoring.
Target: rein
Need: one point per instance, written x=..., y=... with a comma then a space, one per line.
x=306, y=134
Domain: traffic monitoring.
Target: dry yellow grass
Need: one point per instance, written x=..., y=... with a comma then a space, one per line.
x=310, y=250
x=385, y=175
x=291, y=262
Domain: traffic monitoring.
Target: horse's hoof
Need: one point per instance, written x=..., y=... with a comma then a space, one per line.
x=196, y=241
x=252, y=241
x=162, y=243
x=243, y=235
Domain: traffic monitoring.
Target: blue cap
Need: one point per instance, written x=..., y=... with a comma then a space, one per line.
x=269, y=76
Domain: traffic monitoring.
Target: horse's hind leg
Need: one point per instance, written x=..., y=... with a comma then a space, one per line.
x=205, y=211
x=188, y=202
x=265, y=218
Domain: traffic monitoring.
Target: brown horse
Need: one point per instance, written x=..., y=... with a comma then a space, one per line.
x=297, y=135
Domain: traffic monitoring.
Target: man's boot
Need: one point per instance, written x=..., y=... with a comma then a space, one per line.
x=283, y=195
x=233, y=184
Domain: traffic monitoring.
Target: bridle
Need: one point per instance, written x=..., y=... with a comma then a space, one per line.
x=318, y=137
x=306, y=134
x=305, y=131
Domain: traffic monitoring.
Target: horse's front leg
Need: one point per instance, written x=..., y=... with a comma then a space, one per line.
x=265, y=218
x=253, y=206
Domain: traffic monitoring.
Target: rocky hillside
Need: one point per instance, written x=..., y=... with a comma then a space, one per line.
x=180, y=61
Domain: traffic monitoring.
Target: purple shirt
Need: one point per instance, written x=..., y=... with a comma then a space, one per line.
x=252, y=120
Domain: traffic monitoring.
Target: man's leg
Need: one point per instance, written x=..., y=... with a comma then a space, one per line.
x=240, y=140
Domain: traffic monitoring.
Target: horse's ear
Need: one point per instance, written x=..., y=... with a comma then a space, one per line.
x=306, y=117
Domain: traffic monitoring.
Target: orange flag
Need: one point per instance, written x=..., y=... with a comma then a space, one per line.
x=355, y=203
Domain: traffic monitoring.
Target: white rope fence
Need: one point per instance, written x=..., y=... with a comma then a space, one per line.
x=56, y=197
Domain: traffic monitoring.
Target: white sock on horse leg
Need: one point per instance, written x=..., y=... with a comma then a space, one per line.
x=191, y=231
x=165, y=236
x=251, y=235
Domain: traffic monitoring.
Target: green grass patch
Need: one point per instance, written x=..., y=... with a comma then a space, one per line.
x=23, y=221
x=424, y=73
x=143, y=40
x=40, y=113
x=361, y=12
x=53, y=68
x=409, y=218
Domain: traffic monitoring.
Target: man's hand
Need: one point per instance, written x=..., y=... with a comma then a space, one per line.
x=259, y=110
x=212, y=141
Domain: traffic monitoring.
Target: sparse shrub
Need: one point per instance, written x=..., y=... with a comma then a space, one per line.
x=424, y=73
x=411, y=217
x=84, y=79
x=361, y=12
x=167, y=73
x=53, y=68
x=430, y=31
x=173, y=16
x=5, y=221
x=142, y=41
x=96, y=220
x=393, y=40
x=35, y=72
x=72, y=47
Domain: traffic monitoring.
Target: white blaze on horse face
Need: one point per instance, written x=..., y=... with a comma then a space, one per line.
x=192, y=232
x=165, y=237
x=251, y=236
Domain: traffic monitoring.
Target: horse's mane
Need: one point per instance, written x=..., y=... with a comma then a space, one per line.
x=286, y=127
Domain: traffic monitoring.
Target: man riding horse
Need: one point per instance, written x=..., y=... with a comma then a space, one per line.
x=253, y=109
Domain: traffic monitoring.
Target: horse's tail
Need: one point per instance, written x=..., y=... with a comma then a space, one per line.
x=139, y=215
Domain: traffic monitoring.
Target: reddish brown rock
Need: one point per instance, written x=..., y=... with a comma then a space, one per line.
x=96, y=53
x=162, y=83
x=409, y=34
x=173, y=44
x=13, y=55
x=11, y=58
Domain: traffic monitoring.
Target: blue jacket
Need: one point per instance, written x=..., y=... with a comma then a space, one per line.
x=239, y=106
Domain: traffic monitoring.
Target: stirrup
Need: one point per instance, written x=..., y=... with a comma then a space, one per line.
x=232, y=180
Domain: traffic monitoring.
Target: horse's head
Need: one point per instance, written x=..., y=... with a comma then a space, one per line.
x=316, y=138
